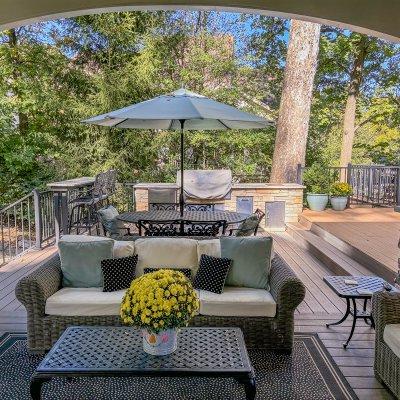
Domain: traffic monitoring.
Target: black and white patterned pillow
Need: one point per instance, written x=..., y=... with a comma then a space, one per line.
x=185, y=271
x=212, y=273
x=118, y=273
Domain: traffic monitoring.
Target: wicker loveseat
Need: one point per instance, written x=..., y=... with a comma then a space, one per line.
x=274, y=332
x=386, y=311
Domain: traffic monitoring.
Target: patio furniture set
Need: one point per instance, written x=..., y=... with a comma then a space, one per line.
x=264, y=314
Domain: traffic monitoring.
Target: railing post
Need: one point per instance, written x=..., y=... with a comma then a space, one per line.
x=299, y=177
x=348, y=180
x=397, y=206
x=38, y=218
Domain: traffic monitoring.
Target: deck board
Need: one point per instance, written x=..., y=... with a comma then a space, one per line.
x=374, y=231
x=320, y=307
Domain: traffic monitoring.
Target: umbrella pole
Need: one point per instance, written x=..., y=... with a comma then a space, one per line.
x=181, y=198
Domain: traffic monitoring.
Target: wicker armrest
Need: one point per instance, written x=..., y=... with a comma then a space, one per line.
x=385, y=310
x=286, y=288
x=34, y=289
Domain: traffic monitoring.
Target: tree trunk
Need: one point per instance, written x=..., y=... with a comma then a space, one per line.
x=294, y=110
x=16, y=75
x=349, y=119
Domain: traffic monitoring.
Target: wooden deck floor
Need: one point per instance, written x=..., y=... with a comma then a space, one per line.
x=320, y=306
x=374, y=231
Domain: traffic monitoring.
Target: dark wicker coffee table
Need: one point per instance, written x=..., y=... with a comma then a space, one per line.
x=117, y=351
x=351, y=293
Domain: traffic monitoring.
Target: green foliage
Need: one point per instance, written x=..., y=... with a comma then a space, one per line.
x=341, y=189
x=316, y=179
x=54, y=74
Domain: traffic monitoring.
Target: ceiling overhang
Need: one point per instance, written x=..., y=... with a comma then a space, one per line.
x=378, y=18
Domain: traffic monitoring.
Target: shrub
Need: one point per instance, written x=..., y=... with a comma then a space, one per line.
x=316, y=179
x=341, y=189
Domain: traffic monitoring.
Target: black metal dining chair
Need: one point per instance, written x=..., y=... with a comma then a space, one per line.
x=160, y=228
x=199, y=207
x=249, y=226
x=204, y=228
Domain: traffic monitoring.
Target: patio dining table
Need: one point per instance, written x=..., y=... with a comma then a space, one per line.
x=230, y=217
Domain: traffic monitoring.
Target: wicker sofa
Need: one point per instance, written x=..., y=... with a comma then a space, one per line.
x=386, y=312
x=274, y=332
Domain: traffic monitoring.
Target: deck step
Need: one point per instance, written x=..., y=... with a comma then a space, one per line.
x=376, y=267
x=335, y=260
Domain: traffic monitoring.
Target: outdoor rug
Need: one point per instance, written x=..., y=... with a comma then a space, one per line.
x=309, y=374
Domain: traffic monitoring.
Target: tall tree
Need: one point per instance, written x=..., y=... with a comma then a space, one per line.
x=353, y=91
x=359, y=76
x=295, y=105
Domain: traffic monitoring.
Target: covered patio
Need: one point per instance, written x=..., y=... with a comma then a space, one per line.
x=310, y=250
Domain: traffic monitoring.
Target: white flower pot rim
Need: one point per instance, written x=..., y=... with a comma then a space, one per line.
x=317, y=194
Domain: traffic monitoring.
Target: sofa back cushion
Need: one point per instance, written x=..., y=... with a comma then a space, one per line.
x=81, y=259
x=210, y=247
x=166, y=253
x=124, y=248
x=251, y=260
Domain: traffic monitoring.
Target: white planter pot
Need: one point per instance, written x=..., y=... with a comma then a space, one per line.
x=317, y=202
x=339, y=203
x=160, y=344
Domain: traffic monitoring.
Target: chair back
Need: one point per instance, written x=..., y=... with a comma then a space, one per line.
x=160, y=228
x=260, y=214
x=163, y=206
x=204, y=228
x=110, y=182
x=199, y=207
x=162, y=199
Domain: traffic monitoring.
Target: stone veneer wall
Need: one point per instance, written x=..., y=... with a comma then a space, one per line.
x=291, y=194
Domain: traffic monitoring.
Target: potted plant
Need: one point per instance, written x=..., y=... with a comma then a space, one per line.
x=340, y=192
x=316, y=180
x=160, y=303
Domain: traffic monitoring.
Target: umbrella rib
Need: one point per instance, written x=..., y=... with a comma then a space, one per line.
x=226, y=126
x=119, y=123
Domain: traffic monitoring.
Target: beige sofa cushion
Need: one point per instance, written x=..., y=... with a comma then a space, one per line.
x=391, y=336
x=238, y=302
x=84, y=302
x=123, y=248
x=166, y=252
x=210, y=247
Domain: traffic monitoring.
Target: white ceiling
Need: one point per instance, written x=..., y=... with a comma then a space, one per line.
x=376, y=17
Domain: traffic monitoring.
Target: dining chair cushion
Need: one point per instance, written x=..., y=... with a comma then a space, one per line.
x=108, y=217
x=248, y=226
x=123, y=248
x=81, y=257
x=166, y=252
x=251, y=260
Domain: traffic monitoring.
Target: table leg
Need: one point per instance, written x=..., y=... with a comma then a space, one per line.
x=354, y=323
x=36, y=387
x=366, y=319
x=250, y=388
x=346, y=314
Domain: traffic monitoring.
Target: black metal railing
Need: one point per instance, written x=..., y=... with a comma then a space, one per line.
x=25, y=224
x=372, y=184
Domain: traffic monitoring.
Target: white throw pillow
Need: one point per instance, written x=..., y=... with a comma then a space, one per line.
x=123, y=248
